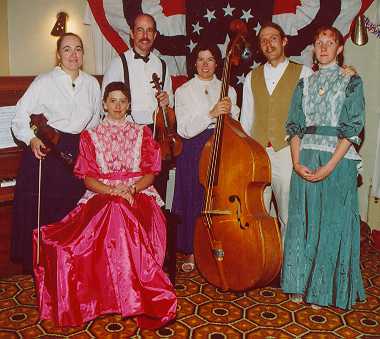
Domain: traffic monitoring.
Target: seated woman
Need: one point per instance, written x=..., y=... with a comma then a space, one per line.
x=106, y=255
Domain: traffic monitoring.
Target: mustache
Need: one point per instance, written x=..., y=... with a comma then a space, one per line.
x=144, y=40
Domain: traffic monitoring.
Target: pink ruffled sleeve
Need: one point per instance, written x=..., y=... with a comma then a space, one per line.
x=86, y=165
x=150, y=153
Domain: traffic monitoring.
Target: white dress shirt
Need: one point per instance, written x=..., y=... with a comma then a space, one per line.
x=143, y=95
x=70, y=106
x=193, y=102
x=272, y=76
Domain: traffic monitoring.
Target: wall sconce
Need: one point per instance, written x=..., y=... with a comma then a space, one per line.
x=359, y=34
x=60, y=25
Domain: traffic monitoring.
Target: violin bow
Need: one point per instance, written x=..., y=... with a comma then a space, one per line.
x=39, y=210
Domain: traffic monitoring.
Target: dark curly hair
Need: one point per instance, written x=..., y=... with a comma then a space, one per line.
x=205, y=46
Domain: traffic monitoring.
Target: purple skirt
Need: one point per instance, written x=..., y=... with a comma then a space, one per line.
x=188, y=192
x=60, y=191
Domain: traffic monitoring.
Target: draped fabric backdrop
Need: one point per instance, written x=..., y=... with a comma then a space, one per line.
x=182, y=24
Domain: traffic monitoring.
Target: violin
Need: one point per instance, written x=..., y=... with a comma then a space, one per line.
x=49, y=136
x=166, y=127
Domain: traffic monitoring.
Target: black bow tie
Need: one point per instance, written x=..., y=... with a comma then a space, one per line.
x=143, y=58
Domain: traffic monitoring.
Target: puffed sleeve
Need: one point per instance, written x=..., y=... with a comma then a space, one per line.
x=192, y=118
x=296, y=118
x=351, y=120
x=234, y=108
x=27, y=104
x=86, y=165
x=150, y=153
x=96, y=103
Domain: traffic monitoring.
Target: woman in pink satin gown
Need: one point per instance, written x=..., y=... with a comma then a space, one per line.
x=106, y=255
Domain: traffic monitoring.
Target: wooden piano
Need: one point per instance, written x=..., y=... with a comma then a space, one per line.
x=11, y=89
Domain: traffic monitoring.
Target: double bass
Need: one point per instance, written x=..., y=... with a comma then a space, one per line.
x=237, y=244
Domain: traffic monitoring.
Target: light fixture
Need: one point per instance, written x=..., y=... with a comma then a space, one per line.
x=60, y=25
x=359, y=34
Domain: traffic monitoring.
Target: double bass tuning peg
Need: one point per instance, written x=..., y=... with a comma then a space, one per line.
x=239, y=27
x=241, y=48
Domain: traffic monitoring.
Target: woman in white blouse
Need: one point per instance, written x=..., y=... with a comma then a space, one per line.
x=197, y=105
x=70, y=100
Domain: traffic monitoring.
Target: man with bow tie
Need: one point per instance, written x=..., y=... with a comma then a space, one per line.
x=141, y=64
x=135, y=68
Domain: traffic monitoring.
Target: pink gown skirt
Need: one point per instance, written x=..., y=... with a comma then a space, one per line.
x=104, y=257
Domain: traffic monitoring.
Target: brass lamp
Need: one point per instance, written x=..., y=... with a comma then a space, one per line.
x=60, y=25
x=359, y=34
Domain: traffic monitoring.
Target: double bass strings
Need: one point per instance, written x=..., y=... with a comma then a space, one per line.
x=213, y=163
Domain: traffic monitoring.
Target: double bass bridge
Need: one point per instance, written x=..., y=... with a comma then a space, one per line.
x=216, y=212
x=234, y=199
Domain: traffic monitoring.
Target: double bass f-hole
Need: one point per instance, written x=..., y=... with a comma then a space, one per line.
x=235, y=199
x=166, y=127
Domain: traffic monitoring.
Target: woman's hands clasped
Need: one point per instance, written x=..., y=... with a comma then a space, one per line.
x=313, y=176
x=125, y=191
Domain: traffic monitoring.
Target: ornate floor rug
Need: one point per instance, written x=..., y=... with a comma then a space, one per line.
x=206, y=312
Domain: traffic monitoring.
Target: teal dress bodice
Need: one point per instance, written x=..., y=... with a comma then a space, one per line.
x=328, y=99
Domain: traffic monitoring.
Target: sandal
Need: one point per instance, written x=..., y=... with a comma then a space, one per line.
x=296, y=298
x=188, y=267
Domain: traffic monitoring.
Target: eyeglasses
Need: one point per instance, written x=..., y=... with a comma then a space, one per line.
x=272, y=39
x=141, y=31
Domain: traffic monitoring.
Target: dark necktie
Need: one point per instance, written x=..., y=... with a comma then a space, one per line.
x=143, y=58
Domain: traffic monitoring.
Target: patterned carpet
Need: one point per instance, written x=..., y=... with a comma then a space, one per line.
x=206, y=312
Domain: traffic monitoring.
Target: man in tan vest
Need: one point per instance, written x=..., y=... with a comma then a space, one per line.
x=267, y=94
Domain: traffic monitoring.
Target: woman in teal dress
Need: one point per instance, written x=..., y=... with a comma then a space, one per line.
x=322, y=242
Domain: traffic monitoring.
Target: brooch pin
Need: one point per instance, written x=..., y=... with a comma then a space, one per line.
x=321, y=91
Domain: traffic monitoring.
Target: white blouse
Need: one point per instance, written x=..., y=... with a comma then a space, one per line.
x=193, y=102
x=70, y=106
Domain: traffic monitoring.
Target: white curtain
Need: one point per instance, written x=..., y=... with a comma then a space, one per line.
x=103, y=50
x=376, y=171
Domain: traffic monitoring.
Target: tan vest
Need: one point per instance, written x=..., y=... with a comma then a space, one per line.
x=271, y=111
